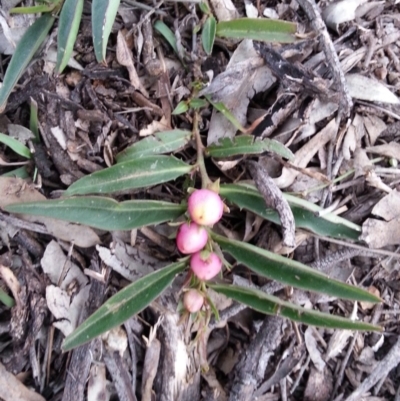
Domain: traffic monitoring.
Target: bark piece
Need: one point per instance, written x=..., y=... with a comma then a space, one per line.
x=274, y=199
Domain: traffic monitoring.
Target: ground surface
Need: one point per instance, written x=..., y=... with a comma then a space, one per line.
x=344, y=134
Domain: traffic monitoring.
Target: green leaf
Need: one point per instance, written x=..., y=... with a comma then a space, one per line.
x=126, y=303
x=169, y=36
x=182, y=107
x=258, y=29
x=198, y=103
x=204, y=8
x=208, y=34
x=26, y=49
x=103, y=213
x=32, y=10
x=290, y=272
x=249, y=198
x=68, y=26
x=271, y=305
x=15, y=145
x=144, y=172
x=162, y=142
x=103, y=17
x=19, y=172
x=247, y=144
x=33, y=120
x=6, y=299
x=227, y=114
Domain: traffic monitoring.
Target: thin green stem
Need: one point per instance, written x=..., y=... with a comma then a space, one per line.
x=205, y=179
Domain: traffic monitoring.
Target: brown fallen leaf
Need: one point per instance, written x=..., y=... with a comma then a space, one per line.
x=391, y=149
x=388, y=207
x=125, y=58
x=377, y=233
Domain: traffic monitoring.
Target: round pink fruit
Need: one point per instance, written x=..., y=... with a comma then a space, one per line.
x=191, y=238
x=205, y=269
x=193, y=301
x=205, y=207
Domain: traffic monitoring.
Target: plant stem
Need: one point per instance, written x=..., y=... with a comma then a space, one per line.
x=205, y=179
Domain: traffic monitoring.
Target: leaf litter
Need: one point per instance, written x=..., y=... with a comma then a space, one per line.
x=351, y=165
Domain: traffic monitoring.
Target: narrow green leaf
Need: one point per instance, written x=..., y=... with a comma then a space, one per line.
x=271, y=305
x=15, y=145
x=245, y=145
x=249, y=198
x=208, y=34
x=103, y=17
x=258, y=29
x=169, y=36
x=162, y=142
x=33, y=120
x=32, y=10
x=18, y=172
x=182, y=107
x=197, y=103
x=6, y=299
x=289, y=271
x=204, y=8
x=26, y=49
x=126, y=303
x=103, y=213
x=144, y=172
x=227, y=114
x=68, y=26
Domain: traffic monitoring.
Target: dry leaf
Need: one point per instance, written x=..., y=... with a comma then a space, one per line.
x=340, y=12
x=363, y=88
x=224, y=10
x=369, y=305
x=391, y=149
x=312, y=348
x=155, y=126
x=319, y=385
x=374, y=126
x=244, y=76
x=129, y=262
x=388, y=207
x=306, y=153
x=97, y=384
x=377, y=233
x=125, y=58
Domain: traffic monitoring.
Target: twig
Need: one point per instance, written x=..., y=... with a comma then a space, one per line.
x=389, y=362
x=273, y=198
x=313, y=14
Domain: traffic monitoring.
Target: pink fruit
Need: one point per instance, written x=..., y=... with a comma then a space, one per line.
x=191, y=238
x=193, y=301
x=207, y=268
x=205, y=207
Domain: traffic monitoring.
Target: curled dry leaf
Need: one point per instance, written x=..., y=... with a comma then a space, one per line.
x=224, y=10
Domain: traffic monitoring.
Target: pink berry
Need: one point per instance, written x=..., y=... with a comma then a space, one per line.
x=193, y=301
x=191, y=238
x=205, y=207
x=205, y=269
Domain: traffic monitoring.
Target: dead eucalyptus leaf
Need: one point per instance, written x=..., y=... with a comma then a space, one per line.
x=312, y=348
x=125, y=58
x=306, y=153
x=388, y=207
x=363, y=88
x=339, y=12
x=377, y=233
x=391, y=149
